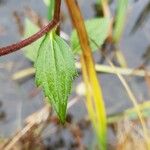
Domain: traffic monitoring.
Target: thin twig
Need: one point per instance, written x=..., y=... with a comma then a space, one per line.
x=17, y=46
x=32, y=121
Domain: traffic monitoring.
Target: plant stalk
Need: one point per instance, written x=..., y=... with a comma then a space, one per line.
x=17, y=46
x=94, y=92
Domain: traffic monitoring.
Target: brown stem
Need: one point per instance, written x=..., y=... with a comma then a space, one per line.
x=17, y=46
x=78, y=23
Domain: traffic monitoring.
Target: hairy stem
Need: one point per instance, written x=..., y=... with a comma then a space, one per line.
x=17, y=46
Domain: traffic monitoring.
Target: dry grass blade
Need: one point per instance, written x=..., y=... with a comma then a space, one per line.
x=131, y=113
x=32, y=121
x=99, y=68
x=122, y=71
x=133, y=99
x=105, y=7
x=135, y=103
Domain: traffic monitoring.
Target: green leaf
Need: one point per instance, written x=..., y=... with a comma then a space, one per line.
x=31, y=50
x=120, y=19
x=97, y=30
x=55, y=71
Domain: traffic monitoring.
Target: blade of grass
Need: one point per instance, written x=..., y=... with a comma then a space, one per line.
x=50, y=4
x=119, y=27
x=121, y=59
x=51, y=9
x=94, y=93
x=120, y=19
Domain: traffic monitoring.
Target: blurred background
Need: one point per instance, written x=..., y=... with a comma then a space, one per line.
x=20, y=99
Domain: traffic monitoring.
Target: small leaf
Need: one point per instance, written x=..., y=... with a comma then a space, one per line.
x=97, y=30
x=55, y=71
x=31, y=50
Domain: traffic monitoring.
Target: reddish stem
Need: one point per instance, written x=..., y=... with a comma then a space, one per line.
x=17, y=46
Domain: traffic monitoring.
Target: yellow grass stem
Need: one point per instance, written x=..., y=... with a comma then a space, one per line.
x=94, y=93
